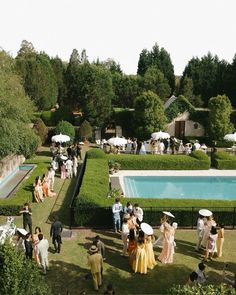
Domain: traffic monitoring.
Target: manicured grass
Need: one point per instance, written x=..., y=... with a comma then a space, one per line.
x=70, y=266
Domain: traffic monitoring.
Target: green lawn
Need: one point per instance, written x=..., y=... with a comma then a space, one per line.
x=68, y=268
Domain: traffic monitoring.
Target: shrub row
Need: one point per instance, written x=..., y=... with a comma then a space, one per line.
x=62, y=114
x=224, y=160
x=196, y=161
x=201, y=289
x=94, y=189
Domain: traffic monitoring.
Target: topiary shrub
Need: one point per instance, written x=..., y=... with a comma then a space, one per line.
x=224, y=160
x=65, y=128
x=86, y=130
x=48, y=118
x=96, y=154
x=41, y=130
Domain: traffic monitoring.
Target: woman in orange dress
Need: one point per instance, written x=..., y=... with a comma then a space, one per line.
x=45, y=186
x=35, y=240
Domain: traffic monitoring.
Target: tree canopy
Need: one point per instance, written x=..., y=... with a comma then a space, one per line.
x=219, y=117
x=149, y=115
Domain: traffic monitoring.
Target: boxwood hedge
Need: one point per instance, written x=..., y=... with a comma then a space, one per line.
x=196, y=161
x=223, y=160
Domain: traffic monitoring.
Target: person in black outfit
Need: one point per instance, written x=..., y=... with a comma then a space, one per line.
x=55, y=233
x=28, y=247
x=27, y=220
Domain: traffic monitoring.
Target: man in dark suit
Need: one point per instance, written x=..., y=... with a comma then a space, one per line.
x=55, y=233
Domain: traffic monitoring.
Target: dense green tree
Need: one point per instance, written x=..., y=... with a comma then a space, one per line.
x=59, y=69
x=187, y=91
x=149, y=115
x=230, y=81
x=18, y=275
x=126, y=88
x=26, y=50
x=219, y=117
x=38, y=79
x=208, y=77
x=155, y=81
x=86, y=130
x=94, y=90
x=16, y=111
x=159, y=58
x=71, y=80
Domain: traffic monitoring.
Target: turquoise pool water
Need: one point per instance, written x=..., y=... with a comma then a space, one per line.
x=181, y=187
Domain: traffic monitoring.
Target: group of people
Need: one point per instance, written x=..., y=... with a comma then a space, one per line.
x=66, y=160
x=35, y=245
x=154, y=146
x=44, y=186
x=210, y=238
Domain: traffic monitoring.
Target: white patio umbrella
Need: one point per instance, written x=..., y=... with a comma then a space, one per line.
x=230, y=137
x=117, y=141
x=60, y=138
x=160, y=135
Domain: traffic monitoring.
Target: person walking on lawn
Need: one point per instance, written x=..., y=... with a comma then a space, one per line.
x=95, y=261
x=43, y=253
x=27, y=220
x=55, y=233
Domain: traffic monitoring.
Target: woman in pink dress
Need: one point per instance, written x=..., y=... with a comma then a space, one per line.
x=211, y=244
x=167, y=252
x=35, y=240
x=63, y=170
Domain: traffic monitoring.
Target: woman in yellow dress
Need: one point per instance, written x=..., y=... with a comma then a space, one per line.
x=220, y=239
x=151, y=262
x=140, y=262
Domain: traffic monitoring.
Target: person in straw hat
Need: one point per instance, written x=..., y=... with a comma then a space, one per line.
x=95, y=261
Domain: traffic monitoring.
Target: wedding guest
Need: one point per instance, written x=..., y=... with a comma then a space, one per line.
x=95, y=262
x=27, y=220
x=192, y=280
x=140, y=261
x=201, y=279
x=55, y=233
x=211, y=244
x=43, y=246
x=151, y=262
x=220, y=239
x=109, y=290
x=35, y=239
x=75, y=165
x=100, y=245
x=63, y=170
x=138, y=213
x=28, y=246
x=124, y=234
x=116, y=211
x=167, y=252
x=200, y=231
x=132, y=246
x=51, y=178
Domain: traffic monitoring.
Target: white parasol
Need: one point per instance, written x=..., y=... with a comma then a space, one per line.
x=230, y=137
x=60, y=138
x=117, y=141
x=22, y=231
x=205, y=212
x=146, y=228
x=160, y=135
x=168, y=214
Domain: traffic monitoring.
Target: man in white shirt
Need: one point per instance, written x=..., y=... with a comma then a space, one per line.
x=138, y=213
x=200, y=231
x=116, y=210
x=42, y=247
x=69, y=165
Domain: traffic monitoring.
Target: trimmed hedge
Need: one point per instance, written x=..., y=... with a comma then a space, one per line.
x=196, y=161
x=224, y=160
x=93, y=190
x=96, y=154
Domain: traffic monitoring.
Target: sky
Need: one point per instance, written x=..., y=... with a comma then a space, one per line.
x=121, y=29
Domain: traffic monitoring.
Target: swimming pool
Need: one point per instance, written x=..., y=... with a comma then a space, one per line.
x=181, y=187
x=9, y=184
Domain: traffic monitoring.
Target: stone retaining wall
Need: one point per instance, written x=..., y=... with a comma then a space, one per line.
x=9, y=164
